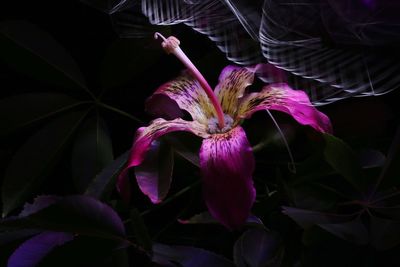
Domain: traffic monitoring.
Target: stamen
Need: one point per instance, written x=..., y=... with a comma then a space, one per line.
x=171, y=46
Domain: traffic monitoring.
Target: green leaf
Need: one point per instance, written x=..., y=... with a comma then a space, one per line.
x=142, y=236
x=91, y=152
x=35, y=159
x=206, y=218
x=343, y=160
x=391, y=170
x=22, y=110
x=188, y=256
x=105, y=181
x=309, y=218
x=353, y=231
x=34, y=52
x=312, y=197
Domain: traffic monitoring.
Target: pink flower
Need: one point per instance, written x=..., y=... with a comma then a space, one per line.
x=226, y=157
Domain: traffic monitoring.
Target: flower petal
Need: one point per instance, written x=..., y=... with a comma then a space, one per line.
x=161, y=106
x=186, y=91
x=232, y=84
x=142, y=143
x=227, y=165
x=281, y=97
x=154, y=175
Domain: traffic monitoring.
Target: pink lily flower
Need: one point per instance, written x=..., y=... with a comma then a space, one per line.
x=226, y=157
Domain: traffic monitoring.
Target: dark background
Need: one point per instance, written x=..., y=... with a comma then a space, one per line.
x=87, y=34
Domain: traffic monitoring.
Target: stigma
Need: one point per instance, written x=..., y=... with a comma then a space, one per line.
x=169, y=44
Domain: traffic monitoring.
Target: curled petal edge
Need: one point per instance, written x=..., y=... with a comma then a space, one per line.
x=142, y=143
x=282, y=98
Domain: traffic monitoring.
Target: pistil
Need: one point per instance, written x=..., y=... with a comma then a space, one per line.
x=171, y=46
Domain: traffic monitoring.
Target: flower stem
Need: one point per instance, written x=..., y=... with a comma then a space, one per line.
x=171, y=45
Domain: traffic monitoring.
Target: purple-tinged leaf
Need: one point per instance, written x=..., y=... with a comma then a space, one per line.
x=36, y=158
x=385, y=234
x=84, y=251
x=187, y=257
x=254, y=220
x=154, y=175
x=206, y=218
x=308, y=218
x=34, y=52
x=257, y=247
x=353, y=231
x=76, y=214
x=32, y=251
x=106, y=179
x=91, y=152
